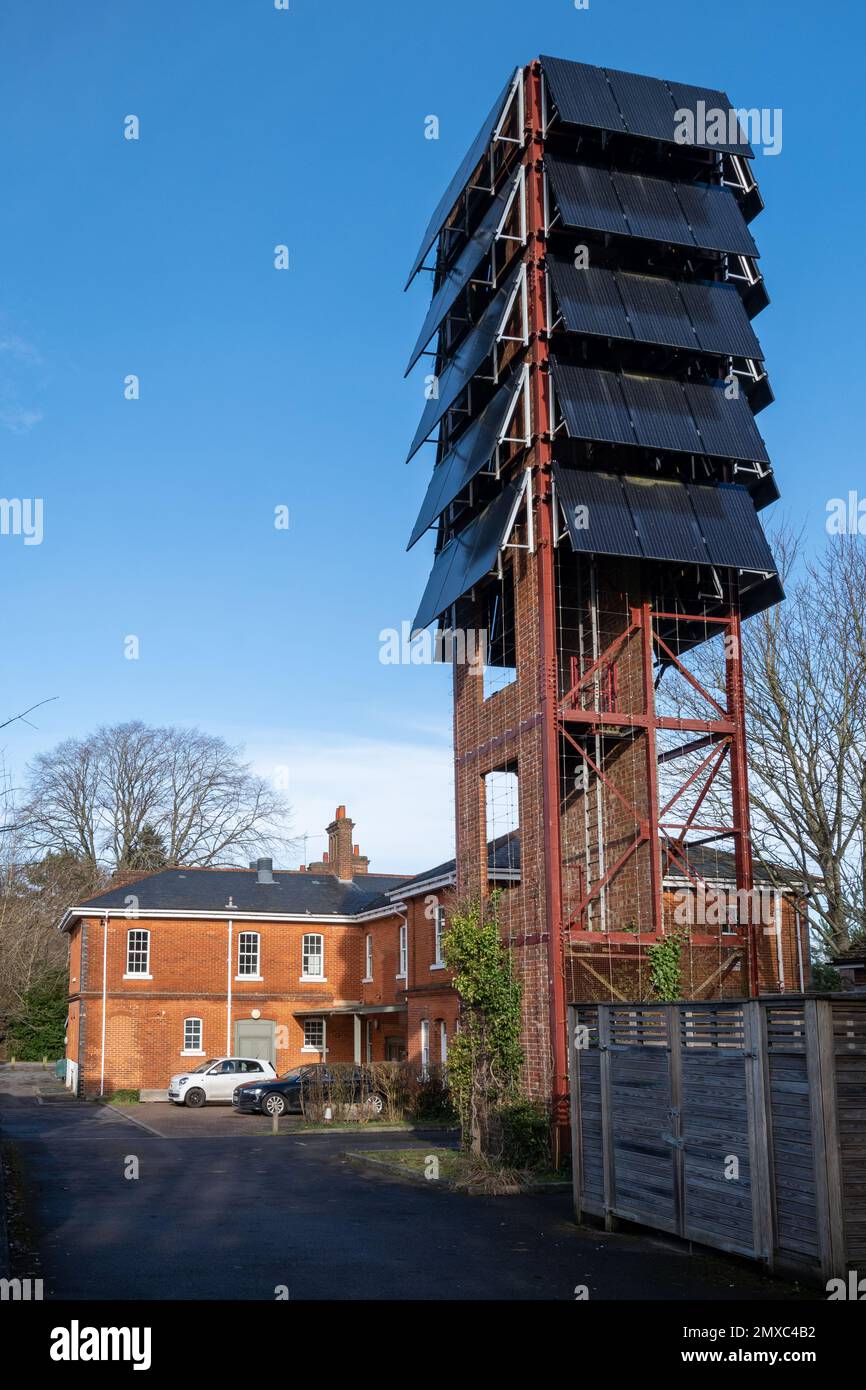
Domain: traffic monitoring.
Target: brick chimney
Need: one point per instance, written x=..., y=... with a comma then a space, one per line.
x=342, y=857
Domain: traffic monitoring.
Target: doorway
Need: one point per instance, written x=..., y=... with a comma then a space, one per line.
x=256, y=1037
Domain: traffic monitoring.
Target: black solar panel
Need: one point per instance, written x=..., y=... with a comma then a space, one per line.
x=596, y=513
x=651, y=209
x=686, y=98
x=472, y=452
x=665, y=521
x=588, y=300
x=715, y=218
x=458, y=277
x=645, y=103
x=607, y=99
x=721, y=323
x=585, y=197
x=726, y=515
x=465, y=362
x=465, y=559
x=656, y=312
x=458, y=183
x=660, y=413
x=581, y=94
x=661, y=519
x=592, y=403
x=726, y=423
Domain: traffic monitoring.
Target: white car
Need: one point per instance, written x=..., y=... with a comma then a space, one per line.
x=216, y=1079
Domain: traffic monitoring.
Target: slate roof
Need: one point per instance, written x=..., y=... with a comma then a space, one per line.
x=292, y=892
x=503, y=855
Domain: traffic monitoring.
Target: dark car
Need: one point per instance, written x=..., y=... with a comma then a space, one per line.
x=299, y=1089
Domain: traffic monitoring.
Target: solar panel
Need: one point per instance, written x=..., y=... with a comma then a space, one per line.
x=686, y=98
x=458, y=277
x=592, y=403
x=585, y=196
x=581, y=94
x=465, y=559
x=651, y=209
x=715, y=218
x=721, y=323
x=730, y=526
x=726, y=423
x=465, y=361
x=646, y=104
x=660, y=414
x=455, y=188
x=684, y=214
x=664, y=520
x=656, y=312
x=607, y=99
x=472, y=452
x=596, y=513
x=588, y=300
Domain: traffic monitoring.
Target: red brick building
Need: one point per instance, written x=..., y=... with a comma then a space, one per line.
x=329, y=960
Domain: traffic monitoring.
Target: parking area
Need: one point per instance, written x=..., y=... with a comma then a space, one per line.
x=217, y=1210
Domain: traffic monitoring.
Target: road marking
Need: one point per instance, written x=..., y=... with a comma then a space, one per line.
x=133, y=1120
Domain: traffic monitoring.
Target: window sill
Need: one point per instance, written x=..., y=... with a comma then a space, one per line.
x=367, y=980
x=257, y=979
x=438, y=965
x=193, y=1052
x=400, y=976
x=138, y=977
x=312, y=979
x=318, y=1050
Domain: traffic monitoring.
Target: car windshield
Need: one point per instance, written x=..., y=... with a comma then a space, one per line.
x=295, y=1074
x=204, y=1065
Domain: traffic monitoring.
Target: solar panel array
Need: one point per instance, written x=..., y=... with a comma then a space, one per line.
x=652, y=353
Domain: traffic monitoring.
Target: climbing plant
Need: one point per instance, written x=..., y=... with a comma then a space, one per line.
x=665, y=964
x=485, y=1057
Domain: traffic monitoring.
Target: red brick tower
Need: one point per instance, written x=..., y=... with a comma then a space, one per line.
x=598, y=473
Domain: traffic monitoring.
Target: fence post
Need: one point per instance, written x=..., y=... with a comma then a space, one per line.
x=574, y=1091
x=608, y=1164
x=759, y=1128
x=820, y=1065
x=675, y=1081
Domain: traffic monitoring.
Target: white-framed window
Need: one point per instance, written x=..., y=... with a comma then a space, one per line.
x=314, y=1035
x=138, y=953
x=368, y=957
x=192, y=1037
x=425, y=1046
x=404, y=952
x=248, y=954
x=313, y=957
x=443, y=1041
x=438, y=933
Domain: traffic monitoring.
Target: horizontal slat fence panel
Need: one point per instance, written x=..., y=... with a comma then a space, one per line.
x=739, y=1124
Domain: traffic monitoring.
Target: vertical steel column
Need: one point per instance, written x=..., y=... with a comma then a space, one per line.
x=645, y=617
x=742, y=825
x=544, y=559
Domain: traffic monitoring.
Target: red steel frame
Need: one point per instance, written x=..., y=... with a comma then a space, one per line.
x=724, y=736
x=542, y=439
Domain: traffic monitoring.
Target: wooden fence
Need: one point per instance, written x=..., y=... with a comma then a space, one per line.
x=738, y=1124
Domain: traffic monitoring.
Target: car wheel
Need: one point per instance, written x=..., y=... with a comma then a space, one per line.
x=274, y=1104
x=195, y=1097
x=376, y=1103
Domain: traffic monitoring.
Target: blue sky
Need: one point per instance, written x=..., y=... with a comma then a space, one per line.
x=262, y=388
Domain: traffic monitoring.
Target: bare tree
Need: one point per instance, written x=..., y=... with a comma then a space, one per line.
x=804, y=666
x=96, y=798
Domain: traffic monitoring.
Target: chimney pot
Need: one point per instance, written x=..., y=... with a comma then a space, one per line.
x=341, y=813
x=325, y=857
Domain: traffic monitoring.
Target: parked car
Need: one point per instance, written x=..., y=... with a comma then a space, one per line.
x=216, y=1079
x=292, y=1093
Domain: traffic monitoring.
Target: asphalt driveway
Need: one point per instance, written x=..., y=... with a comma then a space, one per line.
x=118, y=1211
